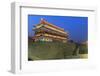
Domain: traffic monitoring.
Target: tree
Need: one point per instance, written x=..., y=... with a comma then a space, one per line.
x=75, y=52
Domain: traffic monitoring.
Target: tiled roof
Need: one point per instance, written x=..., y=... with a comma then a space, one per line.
x=47, y=23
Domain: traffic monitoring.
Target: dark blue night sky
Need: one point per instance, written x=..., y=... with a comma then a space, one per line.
x=76, y=26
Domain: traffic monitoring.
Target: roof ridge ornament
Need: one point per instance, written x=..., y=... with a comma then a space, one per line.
x=42, y=21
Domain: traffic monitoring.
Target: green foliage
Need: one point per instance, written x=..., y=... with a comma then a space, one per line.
x=83, y=49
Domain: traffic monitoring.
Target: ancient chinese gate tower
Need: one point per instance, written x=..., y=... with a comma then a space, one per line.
x=45, y=31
